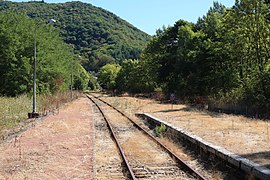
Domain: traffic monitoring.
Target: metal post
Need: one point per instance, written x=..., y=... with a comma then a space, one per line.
x=34, y=114
x=71, y=77
x=35, y=73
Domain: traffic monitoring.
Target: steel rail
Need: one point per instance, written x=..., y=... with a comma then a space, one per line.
x=115, y=139
x=184, y=165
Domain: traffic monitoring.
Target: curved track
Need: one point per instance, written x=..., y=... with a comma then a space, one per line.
x=144, y=156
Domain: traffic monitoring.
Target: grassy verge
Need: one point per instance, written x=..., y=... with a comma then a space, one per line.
x=14, y=110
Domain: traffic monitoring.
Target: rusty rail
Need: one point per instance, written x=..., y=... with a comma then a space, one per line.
x=115, y=139
x=183, y=165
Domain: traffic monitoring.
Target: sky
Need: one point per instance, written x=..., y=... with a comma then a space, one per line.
x=150, y=15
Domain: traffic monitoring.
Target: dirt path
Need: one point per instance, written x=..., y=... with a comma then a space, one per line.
x=59, y=147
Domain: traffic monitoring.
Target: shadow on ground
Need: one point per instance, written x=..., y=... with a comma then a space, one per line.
x=173, y=110
x=193, y=109
x=260, y=158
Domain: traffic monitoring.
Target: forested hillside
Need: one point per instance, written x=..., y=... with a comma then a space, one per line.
x=98, y=35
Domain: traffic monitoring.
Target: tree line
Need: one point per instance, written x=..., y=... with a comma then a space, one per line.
x=55, y=59
x=223, y=56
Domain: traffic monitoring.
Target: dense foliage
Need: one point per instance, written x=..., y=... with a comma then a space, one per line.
x=127, y=77
x=54, y=57
x=96, y=34
x=225, y=54
x=131, y=78
x=107, y=76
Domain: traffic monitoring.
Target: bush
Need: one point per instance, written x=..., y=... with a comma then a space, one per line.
x=107, y=76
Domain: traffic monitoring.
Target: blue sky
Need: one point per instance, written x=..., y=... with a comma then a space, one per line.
x=149, y=15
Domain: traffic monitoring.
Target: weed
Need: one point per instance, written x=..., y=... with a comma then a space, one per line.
x=160, y=130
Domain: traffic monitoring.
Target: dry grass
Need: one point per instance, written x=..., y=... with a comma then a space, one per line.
x=53, y=102
x=245, y=136
x=14, y=110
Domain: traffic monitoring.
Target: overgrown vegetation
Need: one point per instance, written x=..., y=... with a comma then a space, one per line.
x=98, y=35
x=14, y=110
x=54, y=58
x=225, y=56
x=55, y=64
x=107, y=76
x=131, y=78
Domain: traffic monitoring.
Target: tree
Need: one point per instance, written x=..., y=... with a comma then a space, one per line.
x=16, y=56
x=107, y=76
x=81, y=78
x=93, y=84
x=171, y=57
x=132, y=78
x=225, y=55
x=220, y=66
x=248, y=23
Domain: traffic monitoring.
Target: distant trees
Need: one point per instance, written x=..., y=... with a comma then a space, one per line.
x=100, y=36
x=81, y=78
x=131, y=78
x=127, y=77
x=17, y=51
x=107, y=76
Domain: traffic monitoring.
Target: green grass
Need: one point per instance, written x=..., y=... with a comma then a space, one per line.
x=14, y=110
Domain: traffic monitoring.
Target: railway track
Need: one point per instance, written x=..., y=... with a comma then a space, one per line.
x=144, y=156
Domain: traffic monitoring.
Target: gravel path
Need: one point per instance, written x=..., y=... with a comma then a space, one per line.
x=59, y=147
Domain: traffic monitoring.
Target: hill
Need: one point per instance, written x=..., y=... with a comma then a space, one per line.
x=96, y=34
